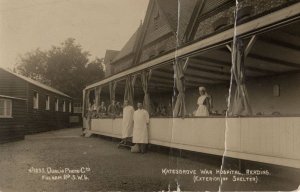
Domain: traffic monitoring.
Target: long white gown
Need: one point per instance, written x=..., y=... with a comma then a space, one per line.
x=127, y=123
x=202, y=110
x=140, y=131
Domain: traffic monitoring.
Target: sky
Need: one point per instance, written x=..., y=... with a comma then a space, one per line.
x=97, y=25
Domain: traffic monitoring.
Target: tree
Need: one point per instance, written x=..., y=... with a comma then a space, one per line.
x=35, y=65
x=66, y=67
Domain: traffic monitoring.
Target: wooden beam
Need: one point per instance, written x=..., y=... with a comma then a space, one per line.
x=275, y=61
x=195, y=71
x=229, y=48
x=193, y=24
x=186, y=64
x=151, y=88
x=189, y=78
x=228, y=64
x=163, y=73
x=216, y=70
x=192, y=82
x=280, y=43
x=259, y=25
x=202, y=80
x=161, y=83
x=162, y=79
x=250, y=45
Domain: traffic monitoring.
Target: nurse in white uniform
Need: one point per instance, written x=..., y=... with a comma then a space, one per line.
x=203, y=103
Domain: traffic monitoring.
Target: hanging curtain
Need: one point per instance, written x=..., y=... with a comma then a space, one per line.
x=240, y=103
x=145, y=77
x=97, y=96
x=133, y=83
x=112, y=90
x=179, y=108
x=128, y=90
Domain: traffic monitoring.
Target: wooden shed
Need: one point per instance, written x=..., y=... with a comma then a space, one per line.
x=45, y=108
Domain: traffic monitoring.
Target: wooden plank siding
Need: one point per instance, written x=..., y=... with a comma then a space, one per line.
x=35, y=120
x=10, y=85
x=13, y=128
x=40, y=119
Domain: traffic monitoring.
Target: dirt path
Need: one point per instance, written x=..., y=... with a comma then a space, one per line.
x=51, y=162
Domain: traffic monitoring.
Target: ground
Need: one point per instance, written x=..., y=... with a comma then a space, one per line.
x=64, y=161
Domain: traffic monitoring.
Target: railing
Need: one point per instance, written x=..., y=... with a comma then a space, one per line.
x=270, y=139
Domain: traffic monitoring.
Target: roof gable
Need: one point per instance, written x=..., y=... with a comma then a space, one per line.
x=129, y=46
x=110, y=55
x=177, y=14
x=157, y=25
x=36, y=83
x=169, y=16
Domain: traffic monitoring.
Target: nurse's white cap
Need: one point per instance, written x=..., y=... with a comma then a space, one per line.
x=202, y=89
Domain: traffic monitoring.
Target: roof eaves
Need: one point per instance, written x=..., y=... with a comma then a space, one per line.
x=36, y=83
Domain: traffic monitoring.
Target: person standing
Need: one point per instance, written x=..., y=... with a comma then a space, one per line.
x=204, y=103
x=140, y=128
x=127, y=123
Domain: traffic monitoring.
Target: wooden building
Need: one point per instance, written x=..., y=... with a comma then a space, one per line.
x=12, y=118
x=33, y=107
x=245, y=54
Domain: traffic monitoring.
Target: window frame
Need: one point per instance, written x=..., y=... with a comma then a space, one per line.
x=47, y=108
x=35, y=102
x=64, y=105
x=70, y=107
x=56, y=104
x=77, y=106
x=5, y=115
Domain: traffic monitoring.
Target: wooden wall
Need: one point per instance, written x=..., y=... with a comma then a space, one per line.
x=12, y=129
x=40, y=119
x=36, y=120
x=11, y=85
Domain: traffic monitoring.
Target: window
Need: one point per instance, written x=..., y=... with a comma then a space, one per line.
x=5, y=108
x=77, y=108
x=64, y=106
x=47, y=102
x=70, y=107
x=35, y=100
x=56, y=104
x=276, y=90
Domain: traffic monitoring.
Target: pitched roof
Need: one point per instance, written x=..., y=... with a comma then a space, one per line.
x=9, y=97
x=36, y=83
x=110, y=55
x=129, y=46
x=170, y=10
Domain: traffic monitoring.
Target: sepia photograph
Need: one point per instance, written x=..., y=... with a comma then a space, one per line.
x=149, y=95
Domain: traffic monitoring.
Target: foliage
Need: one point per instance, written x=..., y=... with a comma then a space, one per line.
x=66, y=67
